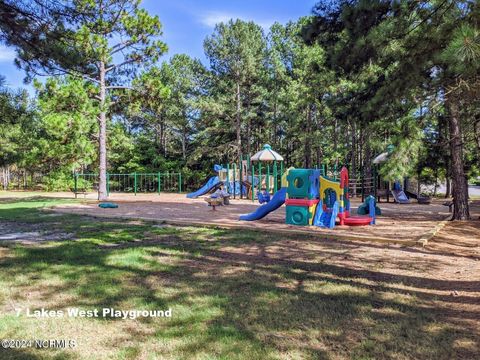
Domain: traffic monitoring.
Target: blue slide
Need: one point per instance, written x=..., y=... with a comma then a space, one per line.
x=277, y=200
x=400, y=197
x=210, y=185
x=326, y=219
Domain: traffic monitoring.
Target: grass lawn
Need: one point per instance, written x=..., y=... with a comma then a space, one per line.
x=233, y=294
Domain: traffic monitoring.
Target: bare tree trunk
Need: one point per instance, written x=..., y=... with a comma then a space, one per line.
x=165, y=143
x=184, y=145
x=249, y=136
x=443, y=138
x=5, y=177
x=102, y=138
x=159, y=134
x=238, y=123
x=319, y=157
x=353, y=166
x=275, y=129
x=307, y=152
x=460, y=187
x=335, y=135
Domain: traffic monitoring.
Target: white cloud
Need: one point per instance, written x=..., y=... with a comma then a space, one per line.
x=210, y=19
x=6, y=54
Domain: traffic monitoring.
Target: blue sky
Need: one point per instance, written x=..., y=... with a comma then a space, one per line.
x=186, y=23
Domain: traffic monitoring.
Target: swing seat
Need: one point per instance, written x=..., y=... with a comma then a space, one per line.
x=108, y=205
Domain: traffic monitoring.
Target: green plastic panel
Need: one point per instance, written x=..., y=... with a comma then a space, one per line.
x=297, y=215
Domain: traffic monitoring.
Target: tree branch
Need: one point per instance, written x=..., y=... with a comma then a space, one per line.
x=115, y=87
x=113, y=67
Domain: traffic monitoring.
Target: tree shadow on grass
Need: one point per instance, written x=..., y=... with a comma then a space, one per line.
x=247, y=299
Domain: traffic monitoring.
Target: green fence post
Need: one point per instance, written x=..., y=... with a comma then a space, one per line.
x=179, y=182
x=275, y=177
x=234, y=166
x=75, y=180
x=240, y=175
x=253, y=183
x=108, y=184
x=228, y=178
x=259, y=177
x=158, y=183
x=267, y=179
x=135, y=182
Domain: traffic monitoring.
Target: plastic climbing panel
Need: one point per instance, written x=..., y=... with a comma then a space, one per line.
x=297, y=215
x=303, y=184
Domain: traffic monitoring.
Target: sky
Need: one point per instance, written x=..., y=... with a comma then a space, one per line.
x=186, y=23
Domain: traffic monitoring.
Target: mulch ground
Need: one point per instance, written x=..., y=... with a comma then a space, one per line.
x=399, y=222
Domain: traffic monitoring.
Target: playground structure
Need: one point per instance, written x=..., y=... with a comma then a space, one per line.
x=254, y=177
x=370, y=183
x=261, y=172
x=314, y=199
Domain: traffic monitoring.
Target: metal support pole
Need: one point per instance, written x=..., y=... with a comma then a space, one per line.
x=253, y=183
x=275, y=177
x=135, y=183
x=362, y=179
x=240, y=167
x=108, y=184
x=260, y=177
x=179, y=182
x=267, y=179
x=158, y=183
x=234, y=180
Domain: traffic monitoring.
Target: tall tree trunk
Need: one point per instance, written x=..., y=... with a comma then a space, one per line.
x=159, y=135
x=102, y=137
x=353, y=165
x=165, y=143
x=184, y=143
x=307, y=151
x=238, y=122
x=335, y=135
x=443, y=138
x=249, y=136
x=460, y=186
x=275, y=128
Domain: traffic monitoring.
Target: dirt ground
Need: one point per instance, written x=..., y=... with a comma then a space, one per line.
x=401, y=223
